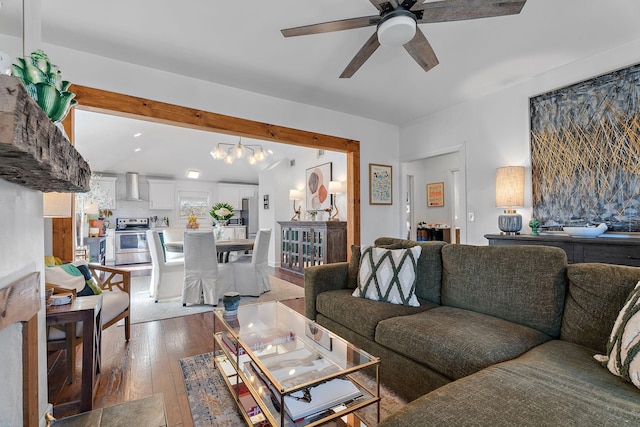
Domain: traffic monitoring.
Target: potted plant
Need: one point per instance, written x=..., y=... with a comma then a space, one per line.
x=313, y=214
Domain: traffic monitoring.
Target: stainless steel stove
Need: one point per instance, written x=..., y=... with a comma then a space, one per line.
x=131, y=241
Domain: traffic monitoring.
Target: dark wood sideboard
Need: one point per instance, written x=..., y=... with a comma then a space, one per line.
x=309, y=243
x=608, y=250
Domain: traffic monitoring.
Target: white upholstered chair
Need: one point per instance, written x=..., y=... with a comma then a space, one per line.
x=166, y=276
x=171, y=235
x=205, y=281
x=252, y=278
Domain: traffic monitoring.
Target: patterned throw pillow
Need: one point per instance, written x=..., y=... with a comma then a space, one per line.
x=388, y=275
x=623, y=348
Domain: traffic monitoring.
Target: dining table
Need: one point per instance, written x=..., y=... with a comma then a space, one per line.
x=223, y=247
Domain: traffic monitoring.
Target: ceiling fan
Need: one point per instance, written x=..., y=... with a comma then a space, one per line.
x=397, y=25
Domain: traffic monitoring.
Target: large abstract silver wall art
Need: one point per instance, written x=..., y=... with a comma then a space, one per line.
x=585, y=152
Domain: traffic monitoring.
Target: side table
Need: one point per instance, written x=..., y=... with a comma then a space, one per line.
x=88, y=310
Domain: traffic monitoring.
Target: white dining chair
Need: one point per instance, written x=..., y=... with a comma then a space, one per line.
x=166, y=276
x=205, y=281
x=252, y=279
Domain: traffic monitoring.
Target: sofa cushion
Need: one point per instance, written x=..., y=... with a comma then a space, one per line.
x=521, y=284
x=596, y=295
x=623, y=348
x=388, y=275
x=429, y=265
x=555, y=384
x=456, y=342
x=360, y=314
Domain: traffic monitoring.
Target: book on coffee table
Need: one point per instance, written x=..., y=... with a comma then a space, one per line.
x=310, y=401
x=324, y=396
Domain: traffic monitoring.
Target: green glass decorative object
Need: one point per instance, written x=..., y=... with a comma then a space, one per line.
x=44, y=84
x=534, y=224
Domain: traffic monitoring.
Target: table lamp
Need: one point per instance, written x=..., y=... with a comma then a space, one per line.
x=335, y=187
x=295, y=195
x=509, y=194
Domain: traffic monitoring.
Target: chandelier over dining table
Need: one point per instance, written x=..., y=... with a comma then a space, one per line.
x=229, y=152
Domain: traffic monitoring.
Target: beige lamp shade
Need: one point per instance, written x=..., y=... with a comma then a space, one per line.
x=56, y=205
x=294, y=194
x=510, y=186
x=335, y=187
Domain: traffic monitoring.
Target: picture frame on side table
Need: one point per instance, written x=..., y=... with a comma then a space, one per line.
x=380, y=184
x=435, y=194
x=317, y=187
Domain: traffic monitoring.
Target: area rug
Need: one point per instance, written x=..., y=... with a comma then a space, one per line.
x=211, y=402
x=144, y=309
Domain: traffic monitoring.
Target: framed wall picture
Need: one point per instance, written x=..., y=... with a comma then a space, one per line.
x=380, y=184
x=435, y=194
x=317, y=187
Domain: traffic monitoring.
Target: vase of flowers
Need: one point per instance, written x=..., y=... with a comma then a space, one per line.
x=221, y=213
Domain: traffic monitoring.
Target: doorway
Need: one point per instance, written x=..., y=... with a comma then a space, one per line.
x=447, y=167
x=144, y=109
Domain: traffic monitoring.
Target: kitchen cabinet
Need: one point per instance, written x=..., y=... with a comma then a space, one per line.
x=240, y=232
x=234, y=232
x=110, y=247
x=107, y=186
x=161, y=194
x=228, y=233
x=234, y=193
x=308, y=243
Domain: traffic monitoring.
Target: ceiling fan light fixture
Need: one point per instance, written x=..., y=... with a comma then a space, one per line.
x=397, y=28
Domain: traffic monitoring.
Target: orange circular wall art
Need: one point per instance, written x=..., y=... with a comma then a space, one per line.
x=317, y=191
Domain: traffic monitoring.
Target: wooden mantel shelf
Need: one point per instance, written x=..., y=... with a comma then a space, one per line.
x=33, y=151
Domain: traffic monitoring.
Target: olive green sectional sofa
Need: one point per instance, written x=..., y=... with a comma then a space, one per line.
x=502, y=336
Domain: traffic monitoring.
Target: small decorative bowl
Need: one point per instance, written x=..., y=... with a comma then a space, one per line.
x=585, y=231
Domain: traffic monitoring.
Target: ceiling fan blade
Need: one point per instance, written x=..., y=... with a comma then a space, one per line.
x=327, y=27
x=363, y=54
x=380, y=4
x=421, y=51
x=460, y=10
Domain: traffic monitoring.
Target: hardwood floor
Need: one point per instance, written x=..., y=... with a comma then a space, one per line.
x=146, y=365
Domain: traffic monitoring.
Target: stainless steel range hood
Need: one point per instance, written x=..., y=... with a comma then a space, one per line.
x=133, y=188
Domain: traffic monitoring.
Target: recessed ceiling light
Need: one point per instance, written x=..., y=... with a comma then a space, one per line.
x=193, y=174
x=135, y=135
x=137, y=149
x=270, y=151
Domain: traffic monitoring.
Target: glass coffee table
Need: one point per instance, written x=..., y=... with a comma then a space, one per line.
x=285, y=370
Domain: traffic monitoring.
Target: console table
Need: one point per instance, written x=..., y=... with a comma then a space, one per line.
x=308, y=243
x=608, y=250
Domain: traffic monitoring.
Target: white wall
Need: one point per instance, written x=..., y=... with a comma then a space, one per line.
x=495, y=131
x=21, y=253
